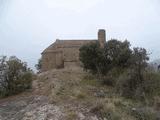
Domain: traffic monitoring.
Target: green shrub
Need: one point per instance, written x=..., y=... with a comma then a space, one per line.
x=129, y=86
x=101, y=60
x=123, y=85
x=16, y=76
x=39, y=64
x=109, y=80
x=91, y=55
x=151, y=84
x=111, y=77
x=118, y=65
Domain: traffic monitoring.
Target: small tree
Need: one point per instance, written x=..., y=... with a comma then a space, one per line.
x=91, y=55
x=118, y=53
x=39, y=64
x=15, y=77
x=132, y=82
x=101, y=60
x=139, y=62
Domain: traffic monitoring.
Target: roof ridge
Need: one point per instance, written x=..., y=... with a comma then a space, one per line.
x=75, y=39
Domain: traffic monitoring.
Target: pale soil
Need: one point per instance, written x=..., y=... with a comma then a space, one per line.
x=70, y=94
x=39, y=103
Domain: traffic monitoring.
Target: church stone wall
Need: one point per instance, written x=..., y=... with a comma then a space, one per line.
x=59, y=60
x=48, y=61
x=65, y=53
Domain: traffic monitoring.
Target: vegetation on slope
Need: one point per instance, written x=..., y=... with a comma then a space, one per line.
x=120, y=85
x=127, y=72
x=80, y=92
x=15, y=76
x=122, y=67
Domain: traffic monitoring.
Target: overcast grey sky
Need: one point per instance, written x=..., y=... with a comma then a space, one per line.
x=29, y=26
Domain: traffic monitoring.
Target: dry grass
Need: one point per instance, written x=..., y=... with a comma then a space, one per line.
x=77, y=88
x=71, y=115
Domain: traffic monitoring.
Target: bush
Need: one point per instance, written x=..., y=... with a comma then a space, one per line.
x=15, y=76
x=91, y=55
x=101, y=60
x=151, y=84
x=123, y=85
x=111, y=77
x=118, y=65
x=39, y=65
x=118, y=53
x=129, y=86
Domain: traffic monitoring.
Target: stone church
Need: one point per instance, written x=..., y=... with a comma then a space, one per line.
x=65, y=53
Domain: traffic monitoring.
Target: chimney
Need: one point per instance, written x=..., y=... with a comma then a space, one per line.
x=102, y=37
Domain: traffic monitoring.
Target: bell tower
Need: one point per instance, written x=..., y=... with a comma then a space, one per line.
x=102, y=37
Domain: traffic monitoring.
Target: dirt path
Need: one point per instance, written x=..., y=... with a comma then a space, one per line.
x=35, y=104
x=28, y=107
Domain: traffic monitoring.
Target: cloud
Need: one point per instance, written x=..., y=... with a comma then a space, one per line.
x=75, y=5
x=29, y=26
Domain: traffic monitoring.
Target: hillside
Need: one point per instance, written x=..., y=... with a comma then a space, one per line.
x=72, y=94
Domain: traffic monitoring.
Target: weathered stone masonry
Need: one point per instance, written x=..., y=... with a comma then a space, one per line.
x=65, y=53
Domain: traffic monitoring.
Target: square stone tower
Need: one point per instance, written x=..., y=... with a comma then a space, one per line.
x=102, y=37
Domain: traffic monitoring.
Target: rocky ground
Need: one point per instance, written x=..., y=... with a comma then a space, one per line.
x=37, y=103
x=30, y=107
x=71, y=94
